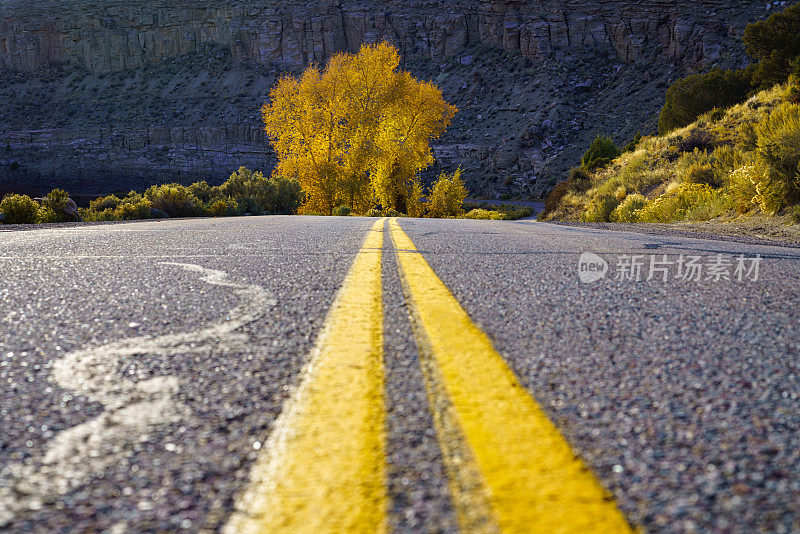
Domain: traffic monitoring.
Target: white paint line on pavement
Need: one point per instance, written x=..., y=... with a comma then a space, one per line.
x=75, y=455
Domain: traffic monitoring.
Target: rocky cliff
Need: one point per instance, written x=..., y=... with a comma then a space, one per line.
x=119, y=93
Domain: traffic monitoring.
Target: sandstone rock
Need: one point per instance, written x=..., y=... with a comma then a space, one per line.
x=116, y=35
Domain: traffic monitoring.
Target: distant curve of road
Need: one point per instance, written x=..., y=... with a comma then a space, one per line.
x=354, y=374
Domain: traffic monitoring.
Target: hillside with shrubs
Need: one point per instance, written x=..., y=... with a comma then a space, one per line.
x=244, y=193
x=728, y=145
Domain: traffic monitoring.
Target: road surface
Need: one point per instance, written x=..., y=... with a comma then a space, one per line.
x=311, y=374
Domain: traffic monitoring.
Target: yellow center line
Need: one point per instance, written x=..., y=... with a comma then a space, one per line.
x=323, y=469
x=534, y=481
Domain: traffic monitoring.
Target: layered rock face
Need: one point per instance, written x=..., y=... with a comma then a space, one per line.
x=561, y=48
x=112, y=35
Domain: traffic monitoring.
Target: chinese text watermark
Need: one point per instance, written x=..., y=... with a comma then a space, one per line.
x=669, y=267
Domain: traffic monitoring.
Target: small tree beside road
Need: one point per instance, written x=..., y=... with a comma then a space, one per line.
x=356, y=133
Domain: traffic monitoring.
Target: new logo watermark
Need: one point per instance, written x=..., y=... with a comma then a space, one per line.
x=670, y=267
x=591, y=268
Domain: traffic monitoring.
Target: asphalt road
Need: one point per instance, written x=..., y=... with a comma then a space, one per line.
x=145, y=368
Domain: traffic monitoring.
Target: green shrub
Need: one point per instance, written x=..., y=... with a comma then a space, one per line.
x=105, y=208
x=700, y=173
x=779, y=145
x=133, y=197
x=601, y=208
x=709, y=207
x=480, y=213
x=19, y=209
x=260, y=195
x=775, y=43
x=374, y=212
x=794, y=214
x=640, y=172
x=627, y=211
x=507, y=212
x=342, y=211
x=772, y=70
x=601, y=152
x=715, y=115
x=690, y=97
x=771, y=196
x=675, y=202
x=727, y=158
x=289, y=195
x=579, y=180
x=697, y=139
x=746, y=136
x=90, y=215
x=251, y=206
x=554, y=198
x=105, y=203
x=203, y=192
x=794, y=94
x=236, y=186
x=221, y=207
x=56, y=200
x=447, y=196
x=54, y=207
x=173, y=199
x=755, y=184
x=742, y=183
x=794, y=78
x=47, y=214
x=133, y=209
x=518, y=213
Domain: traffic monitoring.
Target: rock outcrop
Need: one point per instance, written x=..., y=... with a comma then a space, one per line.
x=114, y=34
x=651, y=40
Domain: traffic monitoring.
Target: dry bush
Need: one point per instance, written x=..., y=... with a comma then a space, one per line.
x=18, y=209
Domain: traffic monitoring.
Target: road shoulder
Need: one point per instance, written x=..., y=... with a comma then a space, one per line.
x=754, y=231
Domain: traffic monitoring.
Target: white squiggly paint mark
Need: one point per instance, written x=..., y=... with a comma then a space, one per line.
x=130, y=408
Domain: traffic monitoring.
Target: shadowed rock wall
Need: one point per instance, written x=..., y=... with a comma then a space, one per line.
x=656, y=40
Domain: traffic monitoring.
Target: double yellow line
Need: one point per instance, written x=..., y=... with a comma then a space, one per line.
x=323, y=468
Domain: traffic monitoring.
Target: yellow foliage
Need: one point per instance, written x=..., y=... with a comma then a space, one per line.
x=356, y=132
x=447, y=196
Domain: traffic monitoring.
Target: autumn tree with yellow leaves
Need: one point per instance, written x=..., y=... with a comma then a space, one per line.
x=358, y=132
